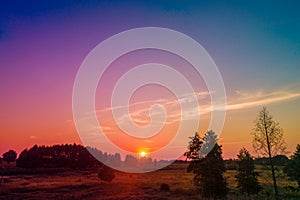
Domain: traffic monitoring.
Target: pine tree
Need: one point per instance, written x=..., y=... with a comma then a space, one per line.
x=208, y=169
x=194, y=148
x=247, y=177
x=292, y=168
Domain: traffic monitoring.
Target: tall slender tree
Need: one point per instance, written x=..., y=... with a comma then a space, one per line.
x=268, y=140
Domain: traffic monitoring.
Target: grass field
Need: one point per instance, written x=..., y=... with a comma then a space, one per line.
x=75, y=184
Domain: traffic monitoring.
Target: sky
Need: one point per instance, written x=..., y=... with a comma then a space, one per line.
x=256, y=46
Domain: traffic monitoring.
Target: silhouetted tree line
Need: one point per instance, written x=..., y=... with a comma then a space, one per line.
x=279, y=160
x=75, y=156
x=67, y=155
x=130, y=161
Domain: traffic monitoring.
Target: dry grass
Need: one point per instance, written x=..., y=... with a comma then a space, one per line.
x=86, y=185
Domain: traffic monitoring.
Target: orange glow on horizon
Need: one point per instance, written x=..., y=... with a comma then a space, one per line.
x=143, y=154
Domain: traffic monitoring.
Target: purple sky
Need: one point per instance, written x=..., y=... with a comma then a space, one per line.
x=42, y=45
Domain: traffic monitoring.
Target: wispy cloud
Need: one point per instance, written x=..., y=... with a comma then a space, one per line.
x=248, y=100
x=240, y=100
x=164, y=102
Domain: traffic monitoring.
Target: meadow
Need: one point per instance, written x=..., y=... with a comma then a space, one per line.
x=85, y=184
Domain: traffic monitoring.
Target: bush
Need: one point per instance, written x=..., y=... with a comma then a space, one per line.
x=106, y=173
x=231, y=167
x=164, y=187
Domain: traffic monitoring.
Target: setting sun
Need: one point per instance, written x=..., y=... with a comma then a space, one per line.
x=143, y=154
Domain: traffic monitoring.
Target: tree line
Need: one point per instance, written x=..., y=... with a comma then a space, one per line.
x=56, y=156
x=72, y=156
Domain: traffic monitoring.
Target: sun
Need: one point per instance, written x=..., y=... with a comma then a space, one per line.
x=143, y=154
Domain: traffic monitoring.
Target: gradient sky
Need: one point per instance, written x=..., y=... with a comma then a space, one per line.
x=255, y=44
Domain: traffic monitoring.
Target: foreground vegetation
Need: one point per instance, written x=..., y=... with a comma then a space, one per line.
x=85, y=184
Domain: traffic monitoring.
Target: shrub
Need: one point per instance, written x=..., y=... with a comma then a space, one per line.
x=106, y=173
x=164, y=187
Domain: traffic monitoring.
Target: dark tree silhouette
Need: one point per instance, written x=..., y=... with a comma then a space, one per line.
x=280, y=160
x=246, y=176
x=130, y=161
x=268, y=140
x=292, y=168
x=164, y=187
x=208, y=169
x=106, y=173
x=194, y=148
x=115, y=160
x=10, y=156
x=30, y=158
x=68, y=155
x=146, y=163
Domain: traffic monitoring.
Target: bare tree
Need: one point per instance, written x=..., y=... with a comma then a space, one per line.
x=268, y=140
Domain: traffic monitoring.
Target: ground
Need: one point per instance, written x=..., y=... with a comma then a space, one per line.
x=85, y=184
